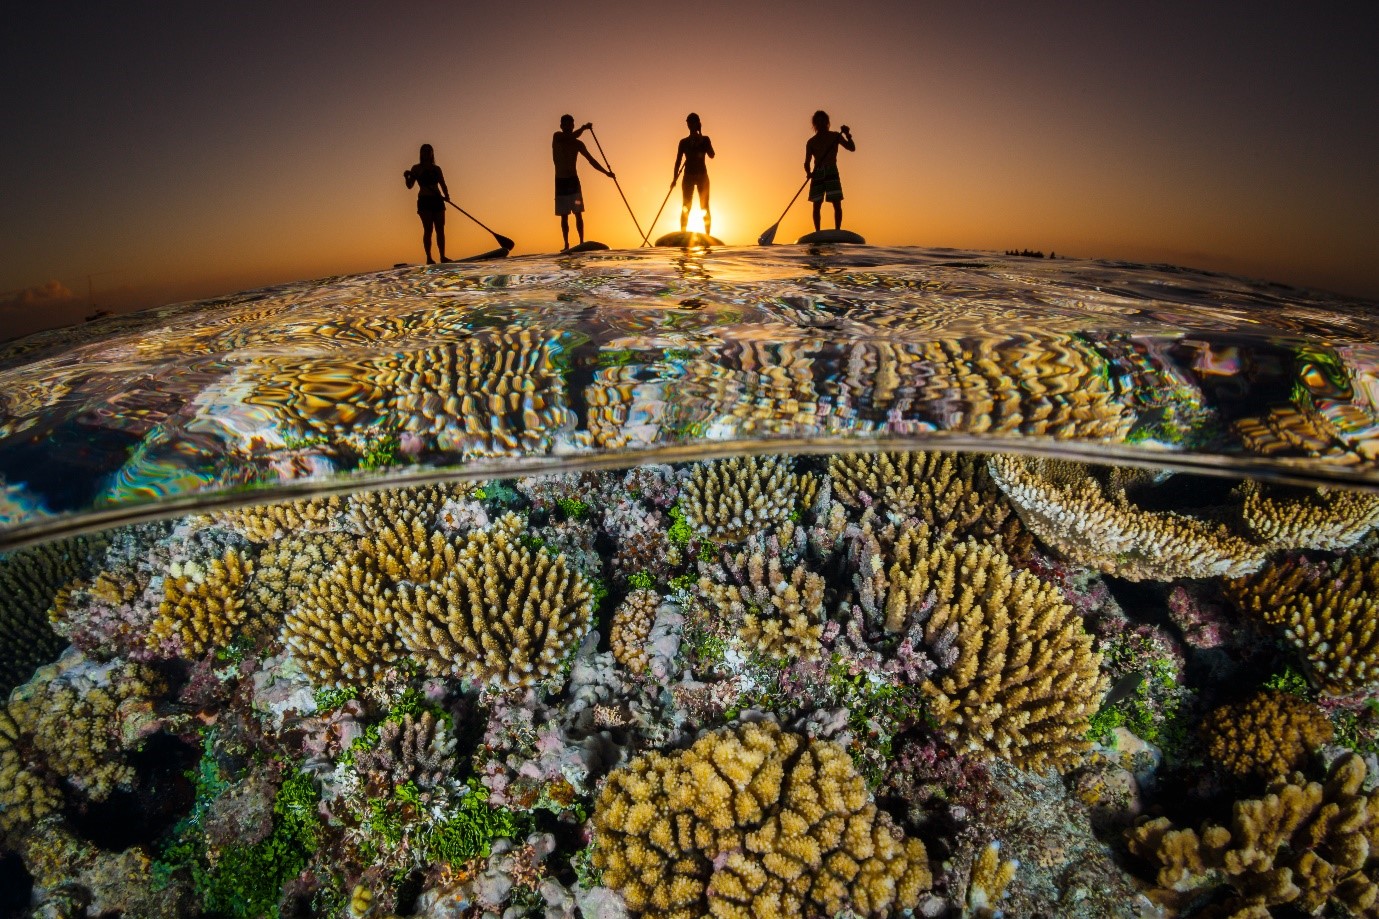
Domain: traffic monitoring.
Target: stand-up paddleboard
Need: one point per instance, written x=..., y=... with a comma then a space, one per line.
x=683, y=240
x=484, y=256
x=589, y=246
x=830, y=236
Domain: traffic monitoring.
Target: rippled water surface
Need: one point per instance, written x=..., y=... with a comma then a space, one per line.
x=837, y=581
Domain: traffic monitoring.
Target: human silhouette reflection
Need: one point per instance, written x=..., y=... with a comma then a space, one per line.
x=566, y=148
x=825, y=183
x=431, y=197
x=692, y=151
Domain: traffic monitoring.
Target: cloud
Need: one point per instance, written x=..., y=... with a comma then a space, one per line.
x=53, y=293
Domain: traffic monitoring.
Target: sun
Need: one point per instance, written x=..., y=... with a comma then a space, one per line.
x=722, y=221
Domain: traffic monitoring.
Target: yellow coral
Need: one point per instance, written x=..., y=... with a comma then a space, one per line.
x=25, y=795
x=752, y=822
x=493, y=610
x=991, y=875
x=781, y=615
x=30, y=580
x=730, y=499
x=1091, y=521
x=1270, y=734
x=268, y=522
x=203, y=607
x=1024, y=679
x=1331, y=618
x=1311, y=518
x=1308, y=845
x=287, y=567
x=631, y=629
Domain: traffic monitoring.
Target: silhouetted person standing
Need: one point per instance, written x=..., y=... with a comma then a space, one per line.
x=569, y=197
x=431, y=197
x=826, y=184
x=692, y=150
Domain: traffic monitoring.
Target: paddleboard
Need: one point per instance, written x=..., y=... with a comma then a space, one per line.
x=683, y=240
x=484, y=256
x=589, y=246
x=830, y=236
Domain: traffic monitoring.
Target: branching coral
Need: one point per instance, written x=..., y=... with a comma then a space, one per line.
x=30, y=579
x=420, y=503
x=991, y=875
x=954, y=494
x=1314, y=518
x=1307, y=845
x=203, y=608
x=268, y=522
x=287, y=567
x=1270, y=734
x=752, y=821
x=343, y=629
x=1087, y=518
x=1023, y=680
x=728, y=500
x=630, y=632
x=413, y=748
x=1330, y=617
x=780, y=614
x=494, y=610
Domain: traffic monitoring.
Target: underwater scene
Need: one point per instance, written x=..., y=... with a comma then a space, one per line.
x=795, y=581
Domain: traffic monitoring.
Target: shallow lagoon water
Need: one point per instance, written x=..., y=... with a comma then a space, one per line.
x=1007, y=581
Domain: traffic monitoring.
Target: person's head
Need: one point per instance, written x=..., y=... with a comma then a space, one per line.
x=567, y=122
x=820, y=120
x=427, y=154
x=693, y=121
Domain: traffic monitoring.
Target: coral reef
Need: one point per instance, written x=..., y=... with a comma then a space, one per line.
x=30, y=580
x=780, y=614
x=288, y=566
x=991, y=875
x=1304, y=845
x=1312, y=518
x=203, y=608
x=497, y=612
x=1329, y=614
x=1024, y=679
x=1087, y=517
x=413, y=748
x=72, y=877
x=267, y=522
x=752, y=821
x=631, y=629
x=728, y=500
x=1270, y=734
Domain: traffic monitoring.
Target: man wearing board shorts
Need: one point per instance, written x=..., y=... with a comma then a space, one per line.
x=566, y=148
x=825, y=183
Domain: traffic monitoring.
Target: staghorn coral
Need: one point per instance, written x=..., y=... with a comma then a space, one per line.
x=1023, y=679
x=1085, y=515
x=1304, y=845
x=494, y=610
x=268, y=522
x=74, y=722
x=952, y=493
x=287, y=566
x=752, y=821
x=417, y=749
x=1269, y=734
x=1331, y=617
x=203, y=608
x=30, y=580
x=991, y=875
x=781, y=614
x=728, y=500
x=420, y=503
x=631, y=629
x=1311, y=518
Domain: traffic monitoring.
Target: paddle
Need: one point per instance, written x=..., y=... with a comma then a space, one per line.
x=767, y=238
x=646, y=236
x=502, y=240
x=609, y=166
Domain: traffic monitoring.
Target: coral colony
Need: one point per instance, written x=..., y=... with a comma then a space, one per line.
x=860, y=685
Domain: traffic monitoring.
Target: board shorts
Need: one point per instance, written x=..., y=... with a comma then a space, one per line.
x=569, y=197
x=826, y=185
x=432, y=206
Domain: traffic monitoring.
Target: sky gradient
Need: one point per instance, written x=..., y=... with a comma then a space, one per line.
x=164, y=151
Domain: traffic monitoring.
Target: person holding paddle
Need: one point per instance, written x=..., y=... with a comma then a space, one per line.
x=566, y=148
x=431, y=197
x=692, y=150
x=825, y=183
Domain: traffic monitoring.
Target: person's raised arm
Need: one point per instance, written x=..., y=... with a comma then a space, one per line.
x=845, y=139
x=587, y=126
x=596, y=164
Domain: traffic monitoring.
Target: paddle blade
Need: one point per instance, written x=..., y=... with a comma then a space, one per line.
x=505, y=242
x=769, y=237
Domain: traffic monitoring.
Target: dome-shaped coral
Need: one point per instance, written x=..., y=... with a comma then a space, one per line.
x=752, y=822
x=1269, y=734
x=631, y=629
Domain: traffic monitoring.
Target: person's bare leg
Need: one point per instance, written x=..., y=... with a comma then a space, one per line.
x=818, y=205
x=837, y=215
x=565, y=230
x=704, y=203
x=440, y=241
x=688, y=199
x=426, y=240
x=579, y=227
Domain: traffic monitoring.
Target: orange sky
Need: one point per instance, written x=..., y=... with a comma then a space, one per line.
x=173, y=152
